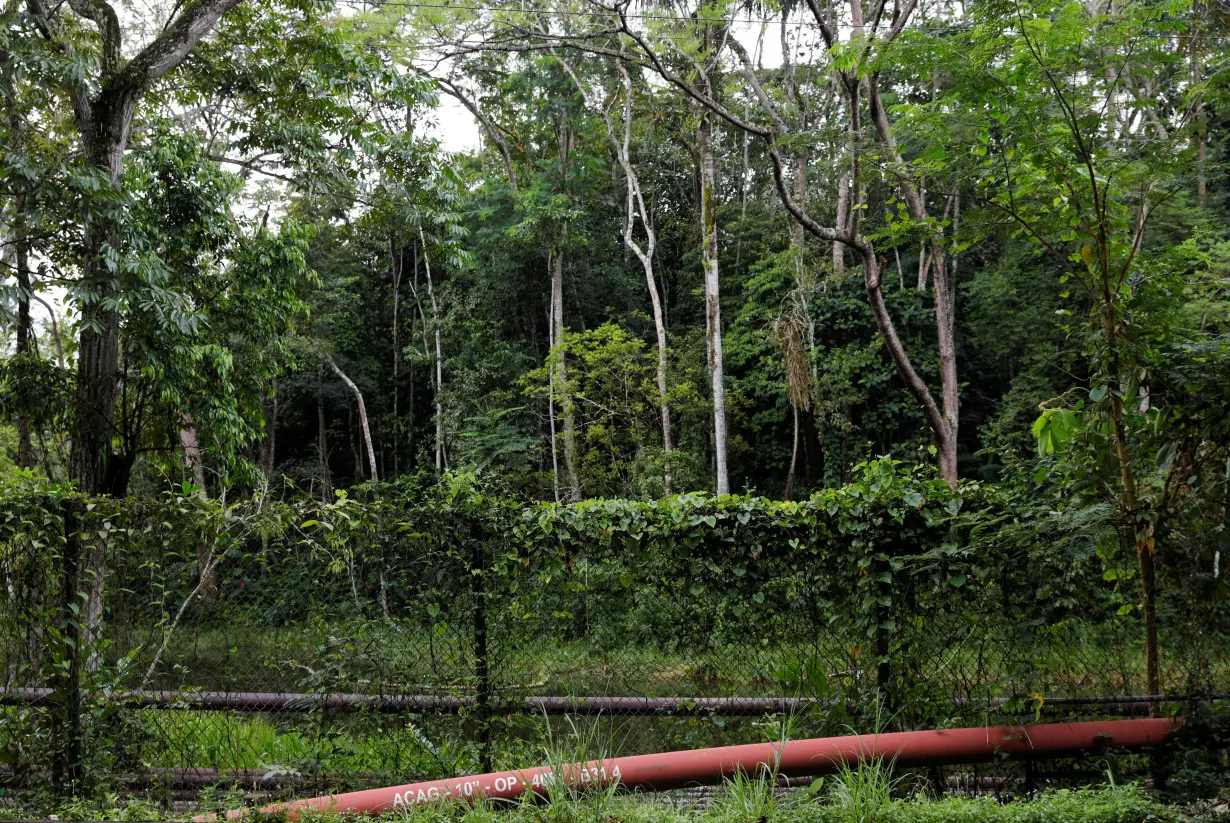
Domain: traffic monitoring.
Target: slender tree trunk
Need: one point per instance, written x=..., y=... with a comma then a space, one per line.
x=944, y=425
x=811, y=445
x=551, y=400
x=20, y=248
x=206, y=569
x=269, y=444
x=25, y=329
x=634, y=208
x=322, y=447
x=355, y=457
x=426, y=326
x=1145, y=541
x=956, y=233
x=945, y=313
x=363, y=424
x=1202, y=149
x=663, y=354
x=713, y=309
x=794, y=454
x=441, y=454
x=395, y=262
x=410, y=452
x=561, y=370
x=798, y=239
x=843, y=216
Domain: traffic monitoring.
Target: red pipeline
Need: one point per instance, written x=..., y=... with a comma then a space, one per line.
x=672, y=770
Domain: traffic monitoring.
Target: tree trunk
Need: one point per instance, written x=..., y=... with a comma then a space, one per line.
x=206, y=569
x=635, y=207
x=97, y=370
x=91, y=461
x=1145, y=540
x=956, y=233
x=104, y=121
x=395, y=262
x=659, y=324
x=794, y=455
x=363, y=424
x=573, y=490
x=798, y=239
x=551, y=401
x=322, y=446
x=713, y=309
x=25, y=330
x=1202, y=149
x=355, y=457
x=945, y=312
x=269, y=444
x=843, y=216
x=441, y=455
x=811, y=446
x=944, y=425
x=20, y=248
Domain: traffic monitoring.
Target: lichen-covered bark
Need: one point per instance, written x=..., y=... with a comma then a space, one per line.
x=713, y=306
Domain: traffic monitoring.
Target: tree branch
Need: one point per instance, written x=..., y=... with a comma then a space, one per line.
x=102, y=15
x=451, y=89
x=170, y=47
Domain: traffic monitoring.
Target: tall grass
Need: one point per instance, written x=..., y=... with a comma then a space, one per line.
x=226, y=741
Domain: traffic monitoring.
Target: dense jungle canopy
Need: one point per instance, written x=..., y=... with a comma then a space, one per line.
x=735, y=247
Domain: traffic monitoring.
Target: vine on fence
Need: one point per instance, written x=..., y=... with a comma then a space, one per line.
x=891, y=594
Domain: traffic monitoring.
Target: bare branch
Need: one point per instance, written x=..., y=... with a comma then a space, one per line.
x=749, y=74
x=493, y=131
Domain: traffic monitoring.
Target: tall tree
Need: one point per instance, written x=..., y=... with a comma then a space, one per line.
x=706, y=77
x=1078, y=160
x=103, y=109
x=634, y=210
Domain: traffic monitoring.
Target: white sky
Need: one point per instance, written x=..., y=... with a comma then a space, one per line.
x=455, y=127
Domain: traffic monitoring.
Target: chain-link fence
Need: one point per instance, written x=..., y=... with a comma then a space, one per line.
x=280, y=648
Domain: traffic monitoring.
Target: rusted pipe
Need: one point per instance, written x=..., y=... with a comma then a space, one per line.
x=254, y=702
x=670, y=770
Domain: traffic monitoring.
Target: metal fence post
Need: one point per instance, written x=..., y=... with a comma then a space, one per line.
x=482, y=663
x=882, y=614
x=68, y=765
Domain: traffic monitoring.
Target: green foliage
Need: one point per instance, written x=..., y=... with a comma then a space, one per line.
x=282, y=202
x=214, y=304
x=35, y=388
x=863, y=792
x=748, y=797
x=614, y=401
x=1115, y=804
